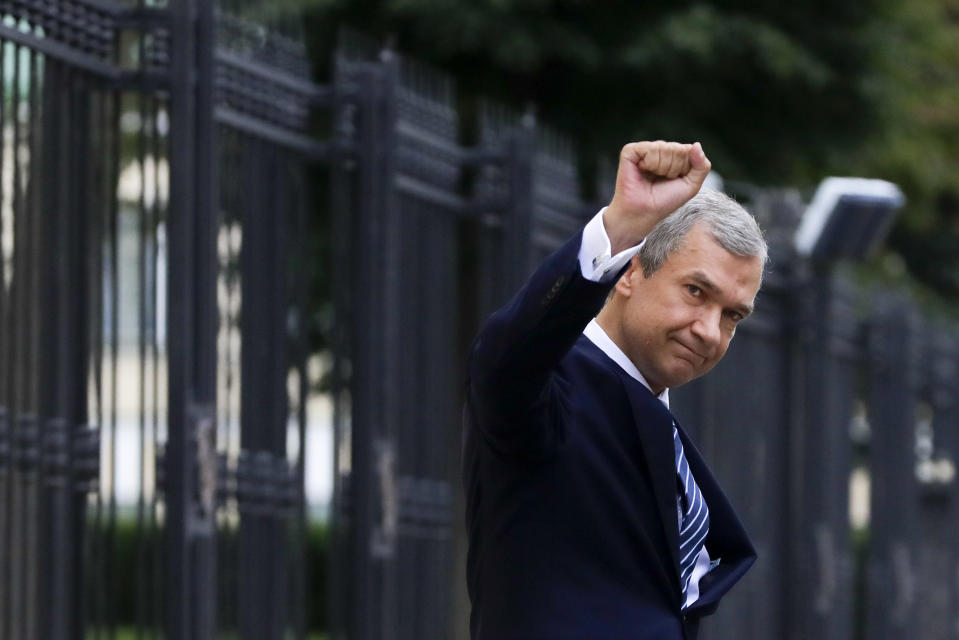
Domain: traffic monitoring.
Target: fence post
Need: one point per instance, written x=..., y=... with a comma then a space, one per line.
x=937, y=454
x=827, y=349
x=894, y=367
x=191, y=325
x=262, y=401
x=64, y=330
x=342, y=575
x=371, y=496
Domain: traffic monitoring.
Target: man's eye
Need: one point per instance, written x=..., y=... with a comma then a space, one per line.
x=694, y=290
x=735, y=316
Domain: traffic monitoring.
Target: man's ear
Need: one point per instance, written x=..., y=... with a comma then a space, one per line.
x=629, y=279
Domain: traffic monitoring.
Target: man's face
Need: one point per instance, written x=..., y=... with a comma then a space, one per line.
x=677, y=323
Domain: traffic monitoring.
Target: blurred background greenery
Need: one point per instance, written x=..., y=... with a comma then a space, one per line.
x=778, y=93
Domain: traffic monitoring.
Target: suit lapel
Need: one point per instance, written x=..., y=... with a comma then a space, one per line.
x=654, y=424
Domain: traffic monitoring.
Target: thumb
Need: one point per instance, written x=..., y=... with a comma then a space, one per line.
x=699, y=165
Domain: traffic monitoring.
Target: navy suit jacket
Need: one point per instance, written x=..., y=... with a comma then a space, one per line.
x=570, y=481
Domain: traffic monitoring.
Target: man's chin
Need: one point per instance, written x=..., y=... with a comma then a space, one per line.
x=680, y=381
x=675, y=374
x=683, y=374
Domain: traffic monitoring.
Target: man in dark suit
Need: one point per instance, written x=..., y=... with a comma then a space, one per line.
x=590, y=513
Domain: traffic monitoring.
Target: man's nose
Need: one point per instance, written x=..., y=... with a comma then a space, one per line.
x=707, y=328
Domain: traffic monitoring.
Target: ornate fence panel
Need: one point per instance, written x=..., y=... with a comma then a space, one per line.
x=403, y=209
x=118, y=476
x=73, y=315
x=265, y=159
x=446, y=231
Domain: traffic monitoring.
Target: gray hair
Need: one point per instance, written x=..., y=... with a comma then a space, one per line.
x=731, y=226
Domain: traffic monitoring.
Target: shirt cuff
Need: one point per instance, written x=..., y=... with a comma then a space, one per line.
x=595, y=261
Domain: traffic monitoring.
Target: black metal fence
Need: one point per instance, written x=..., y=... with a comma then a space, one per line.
x=168, y=173
x=152, y=187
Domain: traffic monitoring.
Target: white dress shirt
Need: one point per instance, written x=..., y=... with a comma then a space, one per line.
x=596, y=264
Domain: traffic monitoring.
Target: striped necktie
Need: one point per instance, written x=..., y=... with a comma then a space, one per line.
x=694, y=520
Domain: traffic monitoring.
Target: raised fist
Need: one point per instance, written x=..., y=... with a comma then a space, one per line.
x=654, y=179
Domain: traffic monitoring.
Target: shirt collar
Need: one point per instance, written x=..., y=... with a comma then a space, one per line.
x=601, y=339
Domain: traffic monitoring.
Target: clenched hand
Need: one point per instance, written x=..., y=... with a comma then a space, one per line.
x=654, y=179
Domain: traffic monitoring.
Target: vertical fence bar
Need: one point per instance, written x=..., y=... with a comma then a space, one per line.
x=227, y=370
x=73, y=347
x=339, y=582
x=263, y=398
x=34, y=373
x=15, y=588
x=386, y=287
x=191, y=326
x=160, y=261
x=96, y=274
x=6, y=364
x=108, y=520
x=84, y=442
x=369, y=415
x=65, y=330
x=178, y=456
x=937, y=591
x=946, y=372
x=47, y=354
x=203, y=523
x=53, y=428
x=894, y=367
x=826, y=356
x=140, y=540
x=299, y=291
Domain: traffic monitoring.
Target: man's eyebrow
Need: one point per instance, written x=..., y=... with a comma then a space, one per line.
x=703, y=280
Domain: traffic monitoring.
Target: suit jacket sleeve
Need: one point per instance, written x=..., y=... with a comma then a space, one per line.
x=512, y=392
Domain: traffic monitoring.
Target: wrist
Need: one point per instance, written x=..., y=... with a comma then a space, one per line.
x=623, y=231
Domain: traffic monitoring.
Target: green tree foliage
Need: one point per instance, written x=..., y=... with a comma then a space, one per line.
x=764, y=86
x=916, y=143
x=778, y=93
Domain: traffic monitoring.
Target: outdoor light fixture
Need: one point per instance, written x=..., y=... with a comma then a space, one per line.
x=847, y=218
